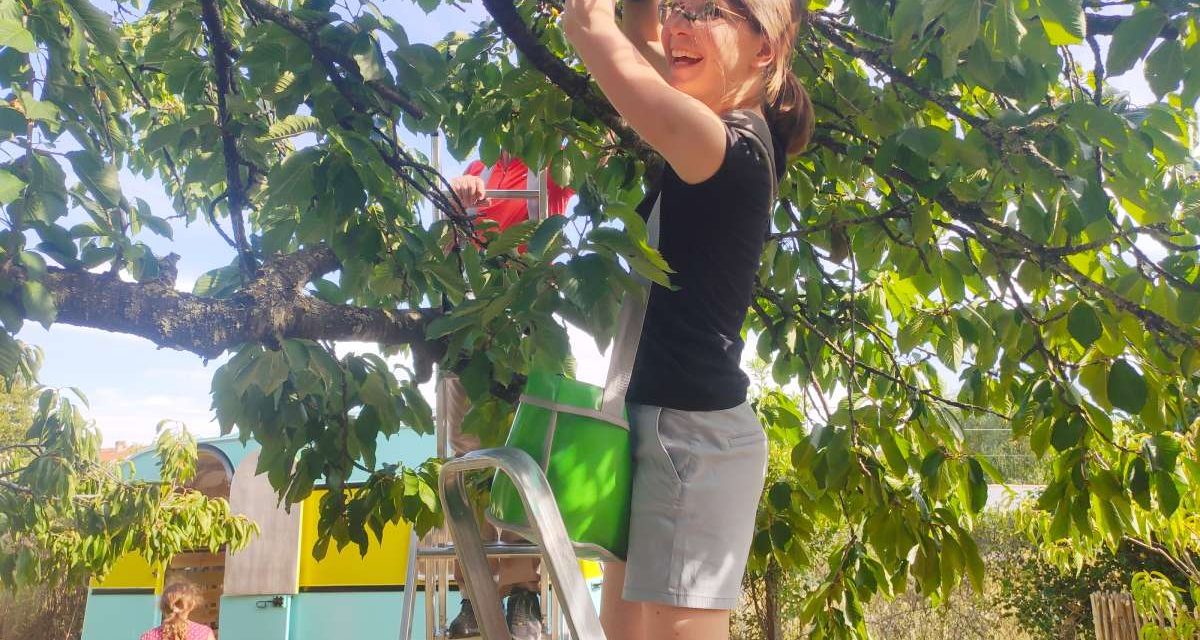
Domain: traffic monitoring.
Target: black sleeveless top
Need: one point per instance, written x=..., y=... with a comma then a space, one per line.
x=712, y=234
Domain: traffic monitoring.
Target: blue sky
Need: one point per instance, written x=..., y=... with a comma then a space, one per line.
x=132, y=385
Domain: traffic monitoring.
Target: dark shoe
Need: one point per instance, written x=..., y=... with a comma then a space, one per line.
x=524, y=615
x=464, y=625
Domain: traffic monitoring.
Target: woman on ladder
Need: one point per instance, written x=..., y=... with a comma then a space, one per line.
x=707, y=83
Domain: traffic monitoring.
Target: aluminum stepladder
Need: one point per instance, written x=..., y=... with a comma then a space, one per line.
x=565, y=595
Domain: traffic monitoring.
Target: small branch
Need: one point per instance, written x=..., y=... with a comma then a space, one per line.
x=220, y=49
x=328, y=55
x=576, y=85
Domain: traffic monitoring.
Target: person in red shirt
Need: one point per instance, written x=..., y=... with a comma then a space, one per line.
x=509, y=172
x=518, y=577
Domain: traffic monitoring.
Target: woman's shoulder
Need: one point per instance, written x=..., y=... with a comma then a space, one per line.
x=748, y=129
x=197, y=631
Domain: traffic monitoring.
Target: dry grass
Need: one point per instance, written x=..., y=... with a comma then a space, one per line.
x=44, y=613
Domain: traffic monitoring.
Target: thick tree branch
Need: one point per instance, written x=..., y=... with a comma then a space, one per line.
x=219, y=49
x=271, y=307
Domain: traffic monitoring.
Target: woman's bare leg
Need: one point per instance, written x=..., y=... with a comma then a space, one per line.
x=621, y=619
x=664, y=622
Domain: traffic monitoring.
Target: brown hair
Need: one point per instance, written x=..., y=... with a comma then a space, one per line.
x=788, y=108
x=178, y=600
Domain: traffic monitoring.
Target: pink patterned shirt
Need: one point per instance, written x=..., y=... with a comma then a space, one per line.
x=195, y=631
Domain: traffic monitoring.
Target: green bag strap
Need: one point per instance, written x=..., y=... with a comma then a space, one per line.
x=629, y=334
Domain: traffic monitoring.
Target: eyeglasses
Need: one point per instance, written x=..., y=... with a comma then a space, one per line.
x=706, y=13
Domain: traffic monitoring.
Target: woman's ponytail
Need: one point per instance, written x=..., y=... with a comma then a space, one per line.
x=790, y=114
x=788, y=108
x=178, y=601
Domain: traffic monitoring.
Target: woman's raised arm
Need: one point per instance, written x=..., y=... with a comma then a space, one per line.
x=688, y=134
x=639, y=21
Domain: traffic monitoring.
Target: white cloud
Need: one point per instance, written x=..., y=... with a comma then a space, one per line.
x=124, y=414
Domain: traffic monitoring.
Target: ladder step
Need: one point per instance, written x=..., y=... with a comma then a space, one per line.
x=494, y=550
x=513, y=194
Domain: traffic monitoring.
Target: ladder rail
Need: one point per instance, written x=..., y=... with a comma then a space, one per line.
x=410, y=588
x=436, y=554
x=549, y=532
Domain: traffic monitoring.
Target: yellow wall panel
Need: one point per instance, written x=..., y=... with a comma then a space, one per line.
x=131, y=571
x=591, y=570
x=384, y=564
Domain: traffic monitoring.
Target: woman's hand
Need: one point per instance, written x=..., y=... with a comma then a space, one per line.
x=580, y=16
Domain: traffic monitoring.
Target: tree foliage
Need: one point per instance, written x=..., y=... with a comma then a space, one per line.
x=65, y=514
x=981, y=227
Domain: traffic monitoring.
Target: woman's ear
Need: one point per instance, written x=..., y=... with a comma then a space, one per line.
x=765, y=55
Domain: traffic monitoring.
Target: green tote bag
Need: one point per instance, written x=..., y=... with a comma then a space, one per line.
x=579, y=434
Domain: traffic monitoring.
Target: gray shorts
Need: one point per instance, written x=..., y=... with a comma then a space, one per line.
x=697, y=479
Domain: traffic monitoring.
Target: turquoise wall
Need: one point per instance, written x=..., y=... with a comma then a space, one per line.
x=111, y=616
x=406, y=447
x=255, y=618
x=354, y=615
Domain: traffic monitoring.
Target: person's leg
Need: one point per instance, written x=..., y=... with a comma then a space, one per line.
x=664, y=622
x=697, y=483
x=518, y=572
x=619, y=617
x=452, y=405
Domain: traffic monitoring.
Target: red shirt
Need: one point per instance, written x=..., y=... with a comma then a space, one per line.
x=510, y=173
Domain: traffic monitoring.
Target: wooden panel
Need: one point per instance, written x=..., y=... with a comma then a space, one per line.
x=270, y=565
x=206, y=571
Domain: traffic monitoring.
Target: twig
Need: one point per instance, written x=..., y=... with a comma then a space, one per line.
x=219, y=48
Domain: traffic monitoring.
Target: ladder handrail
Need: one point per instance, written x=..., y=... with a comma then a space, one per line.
x=548, y=529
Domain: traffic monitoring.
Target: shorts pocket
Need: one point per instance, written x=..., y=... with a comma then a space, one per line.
x=676, y=455
x=746, y=439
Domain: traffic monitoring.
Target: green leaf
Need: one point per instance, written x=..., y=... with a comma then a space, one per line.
x=978, y=485
x=369, y=57
x=11, y=187
x=1139, y=483
x=1003, y=30
x=511, y=238
x=269, y=371
x=12, y=122
x=1167, y=491
x=38, y=303
x=38, y=109
x=780, y=496
x=98, y=176
x=547, y=231
x=1084, y=324
x=218, y=283
x=158, y=226
x=1165, y=67
x=446, y=325
x=10, y=355
x=14, y=34
x=961, y=24
x=98, y=26
x=417, y=411
x=1067, y=432
x=1063, y=20
x=1132, y=39
x=290, y=126
x=1126, y=387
